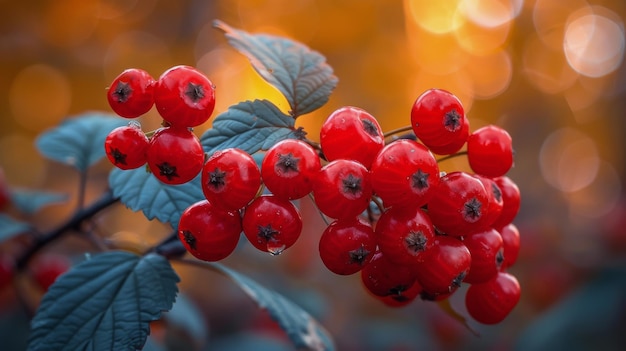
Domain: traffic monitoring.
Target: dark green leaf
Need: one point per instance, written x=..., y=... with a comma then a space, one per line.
x=10, y=227
x=29, y=202
x=79, y=141
x=303, y=330
x=104, y=303
x=250, y=126
x=302, y=75
x=139, y=190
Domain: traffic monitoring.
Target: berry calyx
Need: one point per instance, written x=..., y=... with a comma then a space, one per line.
x=184, y=96
x=272, y=224
x=230, y=179
x=127, y=146
x=131, y=94
x=438, y=117
x=346, y=246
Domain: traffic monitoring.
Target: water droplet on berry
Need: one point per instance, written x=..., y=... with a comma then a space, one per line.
x=275, y=248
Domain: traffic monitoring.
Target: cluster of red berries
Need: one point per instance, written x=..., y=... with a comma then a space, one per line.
x=184, y=98
x=409, y=229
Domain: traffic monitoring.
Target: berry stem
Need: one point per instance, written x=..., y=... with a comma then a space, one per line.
x=73, y=223
x=318, y=210
x=398, y=131
x=445, y=158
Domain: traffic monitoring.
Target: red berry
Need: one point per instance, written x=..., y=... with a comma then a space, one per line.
x=510, y=201
x=459, y=204
x=208, y=232
x=381, y=277
x=5, y=194
x=445, y=266
x=351, y=133
x=437, y=117
x=7, y=270
x=402, y=298
x=127, y=146
x=487, y=250
x=404, y=173
x=48, y=268
x=131, y=94
x=342, y=189
x=289, y=167
x=184, y=96
x=272, y=224
x=511, y=244
x=492, y=301
x=346, y=246
x=175, y=155
x=404, y=235
x=495, y=201
x=455, y=144
x=490, y=151
x=230, y=179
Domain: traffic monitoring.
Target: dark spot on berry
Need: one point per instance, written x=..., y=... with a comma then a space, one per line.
x=267, y=233
x=452, y=120
x=456, y=282
x=416, y=241
x=167, y=170
x=122, y=91
x=497, y=193
x=359, y=256
x=351, y=184
x=287, y=163
x=500, y=258
x=420, y=180
x=195, y=92
x=471, y=210
x=398, y=290
x=370, y=128
x=118, y=156
x=189, y=239
x=217, y=179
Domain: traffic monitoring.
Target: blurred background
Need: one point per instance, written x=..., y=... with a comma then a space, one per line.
x=551, y=72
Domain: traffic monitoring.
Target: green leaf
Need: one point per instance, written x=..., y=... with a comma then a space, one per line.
x=303, y=330
x=10, y=227
x=299, y=73
x=139, y=190
x=79, y=141
x=29, y=201
x=250, y=126
x=104, y=303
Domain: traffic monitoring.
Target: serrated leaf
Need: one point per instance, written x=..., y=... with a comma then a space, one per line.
x=29, y=201
x=139, y=190
x=104, y=303
x=79, y=141
x=299, y=73
x=303, y=330
x=9, y=227
x=250, y=126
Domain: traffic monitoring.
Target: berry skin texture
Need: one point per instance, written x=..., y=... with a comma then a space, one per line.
x=437, y=118
x=444, y=267
x=490, y=151
x=404, y=173
x=175, y=155
x=289, y=167
x=208, y=232
x=342, y=189
x=184, y=96
x=496, y=203
x=230, y=179
x=131, y=94
x=382, y=278
x=511, y=201
x=351, y=133
x=511, y=244
x=404, y=235
x=487, y=250
x=459, y=205
x=346, y=246
x=126, y=147
x=272, y=224
x=491, y=302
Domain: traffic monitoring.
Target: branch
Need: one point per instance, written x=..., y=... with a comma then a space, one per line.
x=72, y=224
